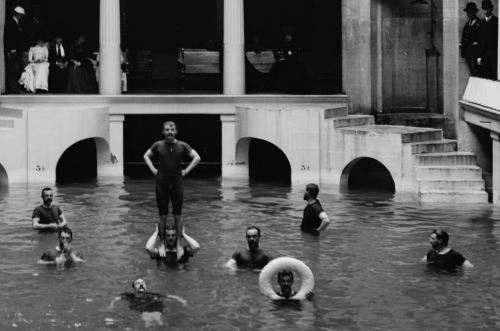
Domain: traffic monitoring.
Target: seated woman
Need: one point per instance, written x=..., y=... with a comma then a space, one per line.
x=35, y=77
x=81, y=73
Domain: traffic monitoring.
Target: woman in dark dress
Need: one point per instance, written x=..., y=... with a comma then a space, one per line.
x=81, y=73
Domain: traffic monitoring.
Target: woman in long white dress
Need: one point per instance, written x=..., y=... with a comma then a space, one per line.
x=36, y=74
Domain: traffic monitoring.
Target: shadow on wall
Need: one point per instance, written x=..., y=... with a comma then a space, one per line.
x=366, y=174
x=266, y=162
x=78, y=163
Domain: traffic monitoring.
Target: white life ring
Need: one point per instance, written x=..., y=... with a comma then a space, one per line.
x=284, y=262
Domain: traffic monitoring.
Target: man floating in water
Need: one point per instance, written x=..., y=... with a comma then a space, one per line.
x=315, y=219
x=441, y=256
x=170, y=243
x=169, y=183
x=63, y=254
x=149, y=304
x=48, y=216
x=253, y=257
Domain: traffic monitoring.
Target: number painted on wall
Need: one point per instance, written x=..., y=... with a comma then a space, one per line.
x=304, y=167
x=39, y=168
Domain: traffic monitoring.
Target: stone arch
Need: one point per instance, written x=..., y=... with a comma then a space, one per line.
x=81, y=160
x=263, y=159
x=366, y=173
x=4, y=178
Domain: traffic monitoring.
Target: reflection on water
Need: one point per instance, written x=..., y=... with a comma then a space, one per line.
x=366, y=265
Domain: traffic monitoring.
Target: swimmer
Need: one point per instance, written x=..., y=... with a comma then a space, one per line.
x=190, y=248
x=441, y=256
x=314, y=219
x=63, y=253
x=285, y=281
x=48, y=216
x=253, y=257
x=170, y=153
x=149, y=304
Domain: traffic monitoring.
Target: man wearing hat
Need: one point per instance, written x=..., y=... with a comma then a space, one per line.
x=489, y=42
x=470, y=39
x=14, y=43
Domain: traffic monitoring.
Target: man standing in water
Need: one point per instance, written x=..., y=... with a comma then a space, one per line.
x=48, y=216
x=253, y=257
x=63, y=253
x=443, y=257
x=315, y=219
x=169, y=183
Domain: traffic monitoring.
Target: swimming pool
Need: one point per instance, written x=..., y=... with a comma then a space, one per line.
x=366, y=265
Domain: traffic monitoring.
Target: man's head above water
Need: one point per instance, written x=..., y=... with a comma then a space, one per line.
x=253, y=237
x=169, y=131
x=139, y=285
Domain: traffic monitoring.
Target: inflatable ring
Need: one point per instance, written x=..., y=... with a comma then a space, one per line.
x=281, y=263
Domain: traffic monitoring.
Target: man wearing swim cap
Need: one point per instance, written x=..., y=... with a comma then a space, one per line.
x=63, y=253
x=441, y=256
x=314, y=219
x=190, y=248
x=48, y=216
x=170, y=153
x=253, y=257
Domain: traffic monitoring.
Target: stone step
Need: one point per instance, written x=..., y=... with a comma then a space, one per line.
x=437, y=146
x=341, y=111
x=6, y=124
x=455, y=185
x=452, y=158
x=453, y=197
x=426, y=135
x=448, y=172
x=11, y=112
x=352, y=120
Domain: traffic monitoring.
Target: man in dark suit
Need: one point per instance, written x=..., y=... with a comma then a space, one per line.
x=471, y=33
x=14, y=45
x=58, y=75
x=489, y=42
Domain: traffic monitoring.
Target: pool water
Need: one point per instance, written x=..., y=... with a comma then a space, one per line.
x=366, y=265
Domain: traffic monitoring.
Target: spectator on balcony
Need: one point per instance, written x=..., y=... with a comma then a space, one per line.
x=14, y=42
x=58, y=59
x=35, y=77
x=487, y=59
x=470, y=44
x=81, y=73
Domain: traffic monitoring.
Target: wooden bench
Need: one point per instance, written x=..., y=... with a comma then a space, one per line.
x=202, y=62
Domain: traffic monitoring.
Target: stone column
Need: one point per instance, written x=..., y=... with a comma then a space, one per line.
x=2, y=56
x=109, y=47
x=495, y=138
x=230, y=167
x=234, y=48
x=111, y=164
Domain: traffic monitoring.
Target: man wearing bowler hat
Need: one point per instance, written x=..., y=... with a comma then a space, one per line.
x=487, y=59
x=470, y=44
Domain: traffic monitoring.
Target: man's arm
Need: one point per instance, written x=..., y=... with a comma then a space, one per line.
x=467, y=264
x=232, y=264
x=147, y=158
x=195, y=159
x=150, y=244
x=194, y=246
x=62, y=221
x=324, y=221
x=38, y=226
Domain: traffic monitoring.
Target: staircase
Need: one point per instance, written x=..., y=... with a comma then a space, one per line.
x=441, y=173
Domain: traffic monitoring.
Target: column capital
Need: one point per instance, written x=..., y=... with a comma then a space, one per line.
x=116, y=118
x=228, y=118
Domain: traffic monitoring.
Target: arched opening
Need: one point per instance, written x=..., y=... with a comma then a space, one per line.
x=78, y=162
x=266, y=162
x=366, y=174
x=4, y=179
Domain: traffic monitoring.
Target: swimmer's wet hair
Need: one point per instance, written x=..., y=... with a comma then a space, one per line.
x=253, y=227
x=170, y=227
x=46, y=189
x=442, y=235
x=285, y=272
x=313, y=189
x=65, y=229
